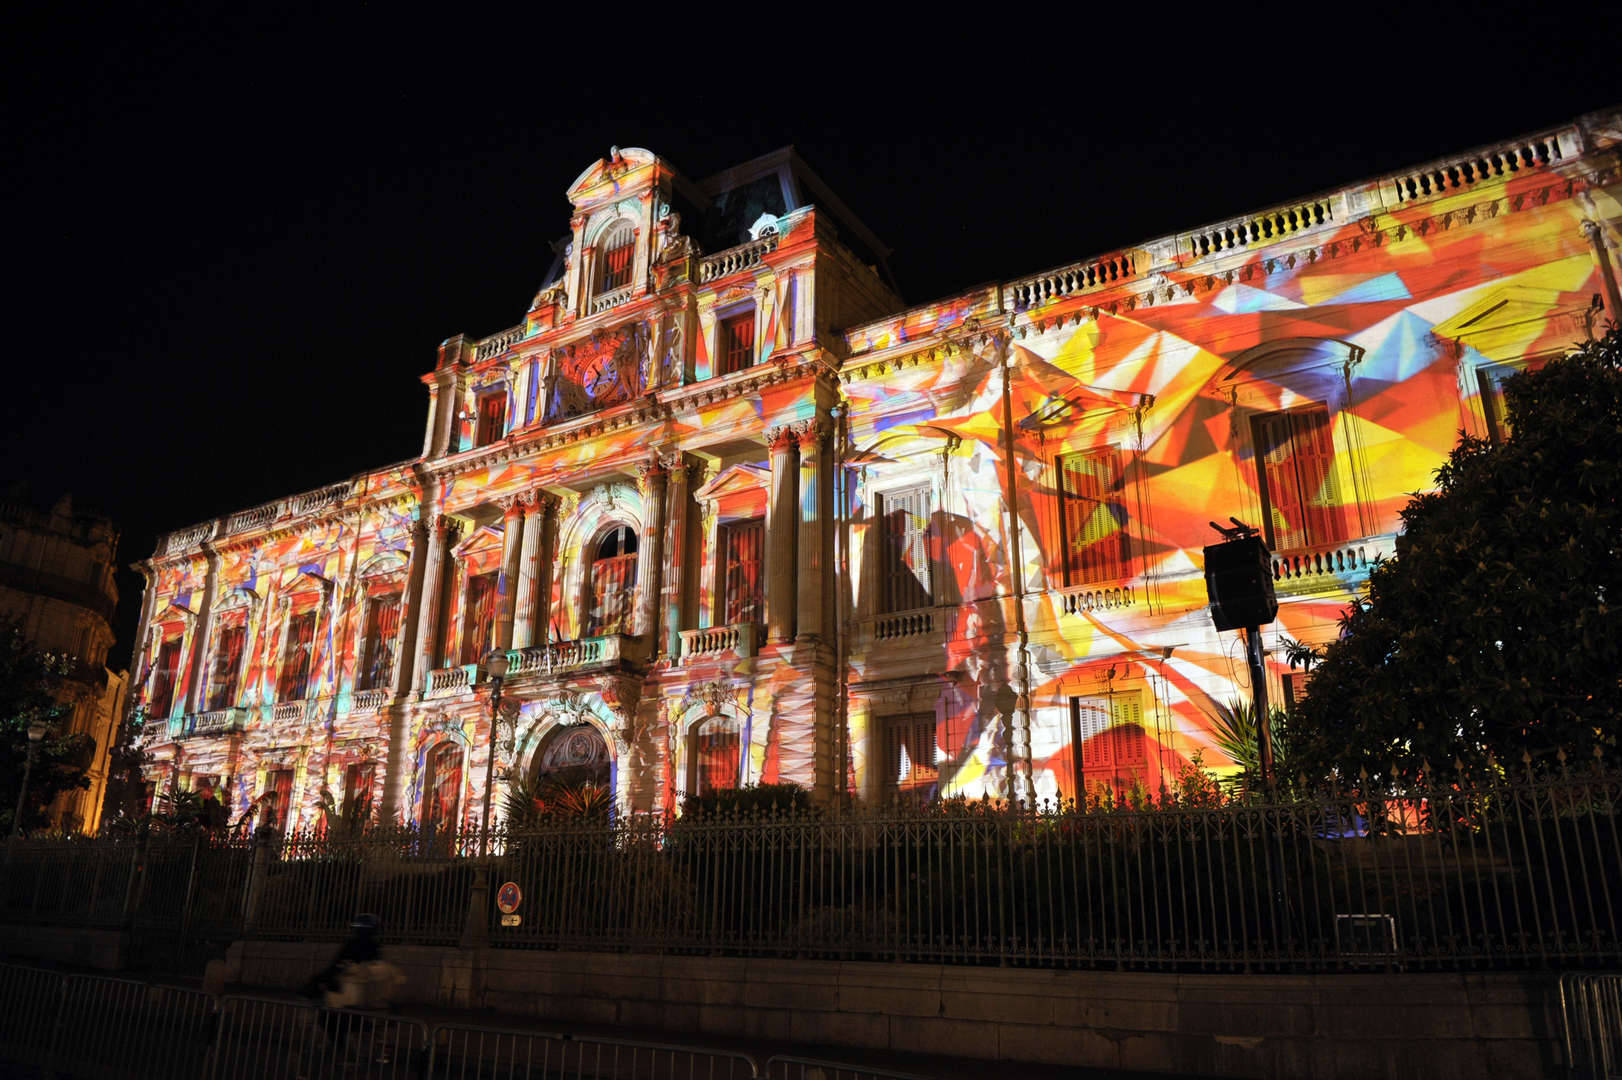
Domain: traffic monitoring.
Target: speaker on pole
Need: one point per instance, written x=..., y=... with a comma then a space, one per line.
x=1239, y=583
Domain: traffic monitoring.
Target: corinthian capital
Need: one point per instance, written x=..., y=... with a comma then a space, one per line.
x=782, y=438
x=812, y=434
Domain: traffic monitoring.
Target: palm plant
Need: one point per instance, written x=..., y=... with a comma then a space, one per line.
x=1234, y=732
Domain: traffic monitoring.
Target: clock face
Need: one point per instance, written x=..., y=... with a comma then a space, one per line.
x=603, y=382
x=602, y=370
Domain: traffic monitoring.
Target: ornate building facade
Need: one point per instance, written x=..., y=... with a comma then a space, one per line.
x=56, y=583
x=737, y=515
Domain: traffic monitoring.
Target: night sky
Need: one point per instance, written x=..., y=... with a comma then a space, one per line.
x=235, y=245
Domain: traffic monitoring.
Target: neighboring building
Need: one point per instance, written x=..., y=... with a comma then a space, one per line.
x=56, y=582
x=741, y=516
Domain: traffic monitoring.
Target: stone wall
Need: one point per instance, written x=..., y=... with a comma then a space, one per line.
x=1353, y=1025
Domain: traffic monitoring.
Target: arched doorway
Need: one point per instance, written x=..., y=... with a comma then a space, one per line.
x=573, y=754
x=442, y=791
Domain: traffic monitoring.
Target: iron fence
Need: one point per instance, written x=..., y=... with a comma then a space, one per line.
x=1500, y=874
x=478, y=1053
x=786, y=1067
x=1591, y=1023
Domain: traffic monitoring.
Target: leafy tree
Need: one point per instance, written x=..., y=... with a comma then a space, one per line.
x=1496, y=630
x=29, y=682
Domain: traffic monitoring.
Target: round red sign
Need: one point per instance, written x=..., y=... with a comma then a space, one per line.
x=508, y=897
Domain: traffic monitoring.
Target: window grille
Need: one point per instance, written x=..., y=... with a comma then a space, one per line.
x=904, y=529
x=479, y=624
x=1093, y=518
x=358, y=782
x=1301, y=505
x=716, y=755
x=442, y=794
x=617, y=246
x=163, y=679
x=613, y=583
x=737, y=342
x=1108, y=745
x=296, y=658
x=742, y=543
x=382, y=642
x=911, y=757
x=227, y=666
x=492, y=418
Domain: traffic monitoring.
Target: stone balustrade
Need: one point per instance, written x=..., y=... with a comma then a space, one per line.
x=1327, y=567
x=733, y=259
x=1500, y=162
x=1254, y=229
x=498, y=343
x=186, y=538
x=1066, y=281
x=287, y=710
x=319, y=499
x=217, y=722
x=1081, y=598
x=257, y=517
x=369, y=700
x=451, y=681
x=564, y=656
x=739, y=639
x=904, y=624
x=603, y=301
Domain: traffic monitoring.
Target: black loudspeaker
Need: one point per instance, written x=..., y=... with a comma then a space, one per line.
x=1239, y=584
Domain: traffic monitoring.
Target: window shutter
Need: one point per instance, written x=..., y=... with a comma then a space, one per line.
x=1094, y=518
x=1315, y=464
x=906, y=542
x=744, y=541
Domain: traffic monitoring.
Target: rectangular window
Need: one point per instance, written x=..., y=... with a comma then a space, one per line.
x=1108, y=745
x=492, y=418
x=276, y=802
x=382, y=641
x=1491, y=381
x=442, y=794
x=737, y=342
x=1295, y=688
x=1093, y=521
x=1295, y=456
x=164, y=674
x=742, y=543
x=297, y=658
x=617, y=261
x=716, y=756
x=904, y=529
x=227, y=666
x=911, y=758
x=479, y=624
x=358, y=782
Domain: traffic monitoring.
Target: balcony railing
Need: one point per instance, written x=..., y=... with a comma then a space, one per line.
x=918, y=622
x=1080, y=598
x=736, y=638
x=613, y=298
x=1328, y=567
x=216, y=722
x=369, y=700
x=564, y=656
x=449, y=682
x=733, y=259
x=284, y=711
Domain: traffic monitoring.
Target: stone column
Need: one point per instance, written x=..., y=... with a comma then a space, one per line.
x=196, y=666
x=433, y=596
x=1595, y=232
x=650, y=556
x=512, y=536
x=782, y=522
x=532, y=571
x=678, y=537
x=813, y=440
x=411, y=610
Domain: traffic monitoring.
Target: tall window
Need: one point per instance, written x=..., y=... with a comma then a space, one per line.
x=164, y=674
x=442, y=794
x=1094, y=517
x=737, y=342
x=613, y=583
x=742, y=543
x=1295, y=688
x=382, y=641
x=1491, y=381
x=276, y=802
x=715, y=755
x=1301, y=504
x=297, y=658
x=222, y=693
x=904, y=532
x=479, y=625
x=911, y=758
x=492, y=418
x=1108, y=746
x=615, y=250
x=358, y=782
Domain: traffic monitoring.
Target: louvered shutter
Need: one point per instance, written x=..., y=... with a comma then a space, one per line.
x=743, y=543
x=906, y=543
x=1315, y=466
x=1094, y=517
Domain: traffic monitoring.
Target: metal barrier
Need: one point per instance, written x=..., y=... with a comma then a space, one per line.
x=785, y=1067
x=266, y=1039
x=1591, y=1022
x=477, y=1053
x=111, y=1027
x=30, y=1003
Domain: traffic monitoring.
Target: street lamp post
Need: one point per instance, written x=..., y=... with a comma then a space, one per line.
x=495, y=669
x=36, y=732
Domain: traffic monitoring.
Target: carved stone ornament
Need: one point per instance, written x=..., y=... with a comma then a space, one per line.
x=812, y=433
x=782, y=439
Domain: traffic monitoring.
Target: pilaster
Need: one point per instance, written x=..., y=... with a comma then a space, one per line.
x=433, y=599
x=782, y=524
x=651, y=477
x=512, y=536
x=813, y=440
x=539, y=520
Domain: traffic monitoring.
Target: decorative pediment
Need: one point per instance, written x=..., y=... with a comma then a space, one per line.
x=384, y=564
x=610, y=172
x=1516, y=323
x=735, y=480
x=1080, y=401
x=481, y=538
x=609, y=367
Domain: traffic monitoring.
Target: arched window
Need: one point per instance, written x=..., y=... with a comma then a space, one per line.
x=613, y=583
x=442, y=793
x=715, y=755
x=614, y=251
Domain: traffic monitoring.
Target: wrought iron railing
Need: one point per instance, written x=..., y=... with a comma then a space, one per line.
x=1451, y=876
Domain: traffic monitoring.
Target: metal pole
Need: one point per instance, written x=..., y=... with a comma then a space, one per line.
x=490, y=763
x=22, y=795
x=1258, y=696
